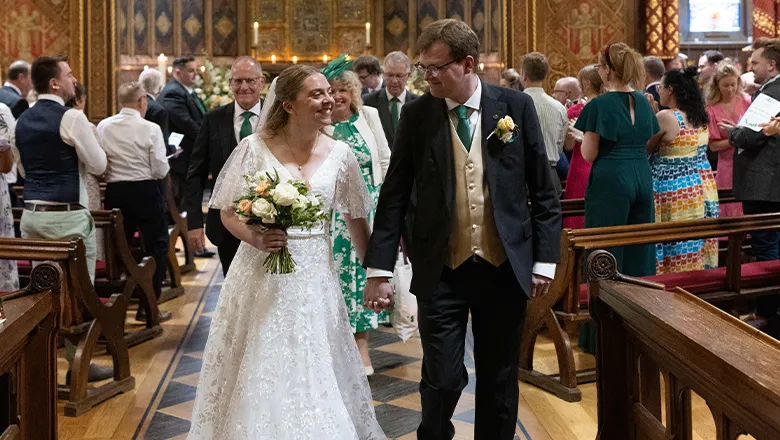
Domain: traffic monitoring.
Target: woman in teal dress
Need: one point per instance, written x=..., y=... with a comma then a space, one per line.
x=617, y=126
x=360, y=128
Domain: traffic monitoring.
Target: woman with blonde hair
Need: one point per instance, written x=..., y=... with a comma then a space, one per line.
x=511, y=80
x=726, y=103
x=361, y=129
x=579, y=168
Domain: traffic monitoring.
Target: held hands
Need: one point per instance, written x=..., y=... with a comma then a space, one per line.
x=271, y=240
x=541, y=285
x=378, y=294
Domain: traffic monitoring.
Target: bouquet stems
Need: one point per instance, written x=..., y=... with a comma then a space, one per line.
x=280, y=262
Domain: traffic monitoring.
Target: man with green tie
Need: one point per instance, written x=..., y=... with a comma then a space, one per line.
x=391, y=98
x=221, y=131
x=185, y=114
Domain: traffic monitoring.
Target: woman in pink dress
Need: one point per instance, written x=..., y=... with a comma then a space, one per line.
x=579, y=168
x=725, y=103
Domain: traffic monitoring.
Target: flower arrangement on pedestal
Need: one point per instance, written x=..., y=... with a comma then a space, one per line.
x=417, y=83
x=213, y=85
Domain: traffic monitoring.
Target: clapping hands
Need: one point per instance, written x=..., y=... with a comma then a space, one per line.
x=378, y=294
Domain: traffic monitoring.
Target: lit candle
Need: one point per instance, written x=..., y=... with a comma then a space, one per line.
x=325, y=59
x=256, y=35
x=170, y=69
x=203, y=69
x=146, y=67
x=295, y=59
x=161, y=60
x=368, y=34
x=481, y=66
x=273, y=59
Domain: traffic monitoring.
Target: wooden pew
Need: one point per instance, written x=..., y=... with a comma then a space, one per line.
x=565, y=305
x=28, y=355
x=85, y=317
x=576, y=207
x=119, y=273
x=697, y=348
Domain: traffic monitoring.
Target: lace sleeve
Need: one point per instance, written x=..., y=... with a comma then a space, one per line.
x=230, y=184
x=352, y=196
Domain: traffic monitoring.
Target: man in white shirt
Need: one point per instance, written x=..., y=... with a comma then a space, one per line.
x=552, y=114
x=14, y=91
x=369, y=72
x=390, y=99
x=137, y=162
x=221, y=131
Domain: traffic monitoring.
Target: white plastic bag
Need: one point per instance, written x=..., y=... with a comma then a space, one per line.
x=404, y=316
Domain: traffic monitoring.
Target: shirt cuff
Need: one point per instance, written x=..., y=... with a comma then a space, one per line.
x=378, y=273
x=544, y=269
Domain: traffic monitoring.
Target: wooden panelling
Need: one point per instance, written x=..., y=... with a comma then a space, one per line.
x=192, y=33
x=140, y=24
x=396, y=29
x=225, y=28
x=427, y=13
x=163, y=27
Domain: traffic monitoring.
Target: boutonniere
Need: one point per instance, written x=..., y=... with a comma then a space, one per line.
x=506, y=130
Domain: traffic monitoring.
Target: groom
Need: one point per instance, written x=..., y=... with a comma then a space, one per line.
x=478, y=246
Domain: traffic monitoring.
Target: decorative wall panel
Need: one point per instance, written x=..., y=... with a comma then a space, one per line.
x=163, y=27
x=479, y=20
x=310, y=27
x=140, y=23
x=426, y=14
x=225, y=32
x=396, y=28
x=192, y=32
x=456, y=9
x=272, y=42
x=496, y=26
x=31, y=29
x=352, y=10
x=121, y=26
x=270, y=11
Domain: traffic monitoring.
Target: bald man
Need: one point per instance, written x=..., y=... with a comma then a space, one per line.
x=567, y=91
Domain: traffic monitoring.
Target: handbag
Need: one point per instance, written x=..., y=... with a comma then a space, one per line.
x=404, y=316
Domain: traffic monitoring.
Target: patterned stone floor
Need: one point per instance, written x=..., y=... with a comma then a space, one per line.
x=394, y=386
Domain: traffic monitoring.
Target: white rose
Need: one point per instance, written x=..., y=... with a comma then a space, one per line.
x=198, y=90
x=313, y=199
x=265, y=210
x=226, y=88
x=300, y=202
x=284, y=194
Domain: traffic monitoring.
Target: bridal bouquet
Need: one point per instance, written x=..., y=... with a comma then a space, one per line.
x=271, y=203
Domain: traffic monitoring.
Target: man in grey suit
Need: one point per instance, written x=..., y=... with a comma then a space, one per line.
x=756, y=178
x=389, y=99
x=14, y=91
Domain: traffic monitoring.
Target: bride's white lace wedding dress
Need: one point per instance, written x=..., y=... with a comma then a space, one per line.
x=281, y=361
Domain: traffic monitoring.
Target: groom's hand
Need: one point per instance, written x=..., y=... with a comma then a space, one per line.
x=378, y=294
x=541, y=285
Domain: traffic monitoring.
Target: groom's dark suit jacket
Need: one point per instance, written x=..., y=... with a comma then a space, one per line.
x=423, y=158
x=212, y=148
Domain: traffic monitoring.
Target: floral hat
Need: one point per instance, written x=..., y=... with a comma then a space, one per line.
x=337, y=67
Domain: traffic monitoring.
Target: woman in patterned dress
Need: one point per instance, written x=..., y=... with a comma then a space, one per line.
x=683, y=182
x=361, y=129
x=726, y=103
x=9, y=277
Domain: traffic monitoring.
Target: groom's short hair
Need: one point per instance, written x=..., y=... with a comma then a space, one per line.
x=457, y=35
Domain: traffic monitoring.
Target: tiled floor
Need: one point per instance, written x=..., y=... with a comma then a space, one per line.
x=394, y=386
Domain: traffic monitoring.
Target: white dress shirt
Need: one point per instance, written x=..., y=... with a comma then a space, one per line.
x=401, y=101
x=553, y=120
x=474, y=104
x=134, y=146
x=238, y=118
x=8, y=133
x=76, y=131
x=379, y=87
x=13, y=86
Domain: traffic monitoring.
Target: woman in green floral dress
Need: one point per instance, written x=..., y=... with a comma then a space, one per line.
x=360, y=128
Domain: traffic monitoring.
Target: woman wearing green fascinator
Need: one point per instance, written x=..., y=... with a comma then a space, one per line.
x=361, y=129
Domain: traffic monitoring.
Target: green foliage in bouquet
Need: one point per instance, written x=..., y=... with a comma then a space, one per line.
x=271, y=203
x=213, y=85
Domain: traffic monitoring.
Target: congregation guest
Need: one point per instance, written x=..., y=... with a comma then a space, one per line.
x=370, y=73
x=222, y=130
x=185, y=114
x=682, y=178
x=579, y=169
x=391, y=98
x=511, y=80
x=707, y=63
x=359, y=127
x=152, y=82
x=726, y=103
x=58, y=148
x=616, y=127
x=552, y=114
x=654, y=69
x=678, y=62
x=136, y=162
x=567, y=91
x=756, y=180
x=14, y=91
x=9, y=276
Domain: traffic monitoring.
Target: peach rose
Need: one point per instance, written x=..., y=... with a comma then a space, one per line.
x=261, y=187
x=245, y=206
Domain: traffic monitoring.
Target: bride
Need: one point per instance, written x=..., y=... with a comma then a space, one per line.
x=281, y=362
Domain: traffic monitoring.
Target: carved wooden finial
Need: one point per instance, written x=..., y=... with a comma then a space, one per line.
x=45, y=276
x=602, y=265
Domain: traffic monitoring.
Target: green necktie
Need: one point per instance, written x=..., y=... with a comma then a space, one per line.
x=198, y=102
x=464, y=127
x=246, y=126
x=394, y=112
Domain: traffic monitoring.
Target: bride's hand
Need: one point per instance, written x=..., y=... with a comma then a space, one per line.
x=269, y=241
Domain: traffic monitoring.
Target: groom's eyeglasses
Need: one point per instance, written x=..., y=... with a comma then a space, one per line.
x=433, y=70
